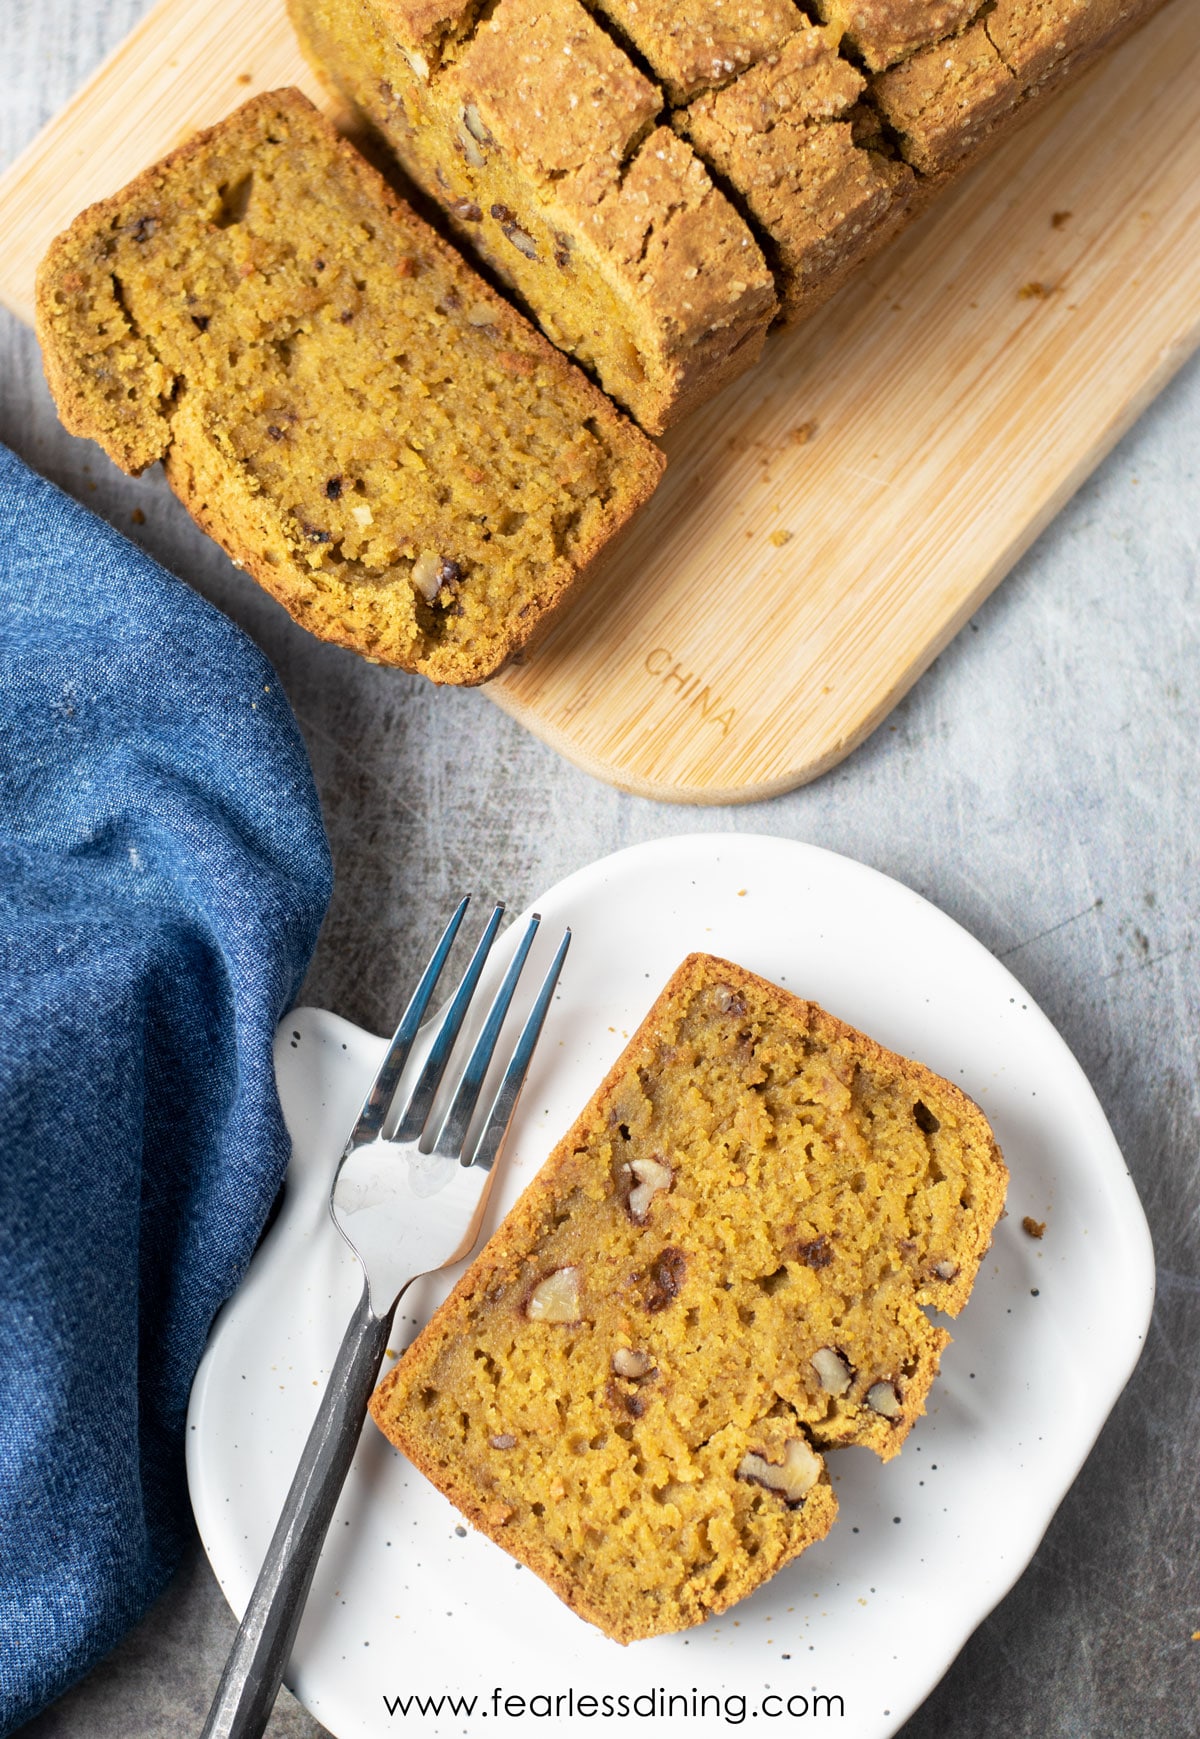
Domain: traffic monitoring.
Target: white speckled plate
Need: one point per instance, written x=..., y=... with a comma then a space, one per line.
x=408, y=1604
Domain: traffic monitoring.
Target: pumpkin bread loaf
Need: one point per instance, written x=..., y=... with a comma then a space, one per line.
x=827, y=125
x=720, y=1272
x=359, y=420
x=540, y=139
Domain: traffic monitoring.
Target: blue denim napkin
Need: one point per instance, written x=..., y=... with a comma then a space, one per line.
x=163, y=873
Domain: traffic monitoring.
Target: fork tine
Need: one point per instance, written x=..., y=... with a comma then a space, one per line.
x=504, y=1104
x=453, y=1132
x=417, y=1110
x=378, y=1101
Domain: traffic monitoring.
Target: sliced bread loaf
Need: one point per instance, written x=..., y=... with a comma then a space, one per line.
x=543, y=128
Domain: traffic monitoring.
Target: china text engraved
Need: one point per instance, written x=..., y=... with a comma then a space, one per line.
x=690, y=688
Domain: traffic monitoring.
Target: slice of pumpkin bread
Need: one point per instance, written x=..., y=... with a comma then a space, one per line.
x=719, y=1272
x=541, y=140
x=354, y=415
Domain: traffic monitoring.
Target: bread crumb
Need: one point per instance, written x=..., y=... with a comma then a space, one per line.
x=1036, y=292
x=138, y=517
x=1060, y=218
x=803, y=433
x=779, y=538
x=1033, y=1228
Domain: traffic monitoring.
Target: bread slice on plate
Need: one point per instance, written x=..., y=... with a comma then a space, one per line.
x=721, y=1271
x=357, y=418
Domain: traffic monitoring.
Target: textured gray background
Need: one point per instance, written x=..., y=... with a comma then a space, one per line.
x=1041, y=784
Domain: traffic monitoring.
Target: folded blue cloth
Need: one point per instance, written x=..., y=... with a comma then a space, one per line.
x=163, y=873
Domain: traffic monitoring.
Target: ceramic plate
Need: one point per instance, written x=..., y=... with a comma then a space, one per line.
x=412, y=1615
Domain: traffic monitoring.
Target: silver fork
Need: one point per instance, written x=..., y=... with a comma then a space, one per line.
x=407, y=1205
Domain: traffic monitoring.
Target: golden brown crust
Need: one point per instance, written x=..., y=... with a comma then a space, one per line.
x=944, y=102
x=426, y=25
x=882, y=32
x=715, y=1286
x=949, y=101
x=1044, y=40
x=785, y=133
x=361, y=422
x=699, y=45
x=522, y=67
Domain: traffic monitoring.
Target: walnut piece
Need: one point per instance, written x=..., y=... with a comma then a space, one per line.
x=473, y=122
x=520, y=239
x=833, y=1372
x=728, y=1000
x=555, y=1298
x=471, y=151
x=882, y=1398
x=627, y=1362
x=652, y=1176
x=799, y=1472
x=502, y=1440
x=945, y=1269
x=430, y=572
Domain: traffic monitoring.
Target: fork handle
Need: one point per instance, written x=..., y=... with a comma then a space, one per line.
x=255, y=1668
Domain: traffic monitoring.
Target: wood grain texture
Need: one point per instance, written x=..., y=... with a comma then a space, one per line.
x=828, y=523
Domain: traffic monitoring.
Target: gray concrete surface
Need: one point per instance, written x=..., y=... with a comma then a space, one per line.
x=1041, y=784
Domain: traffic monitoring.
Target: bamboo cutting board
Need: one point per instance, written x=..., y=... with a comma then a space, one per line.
x=832, y=520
